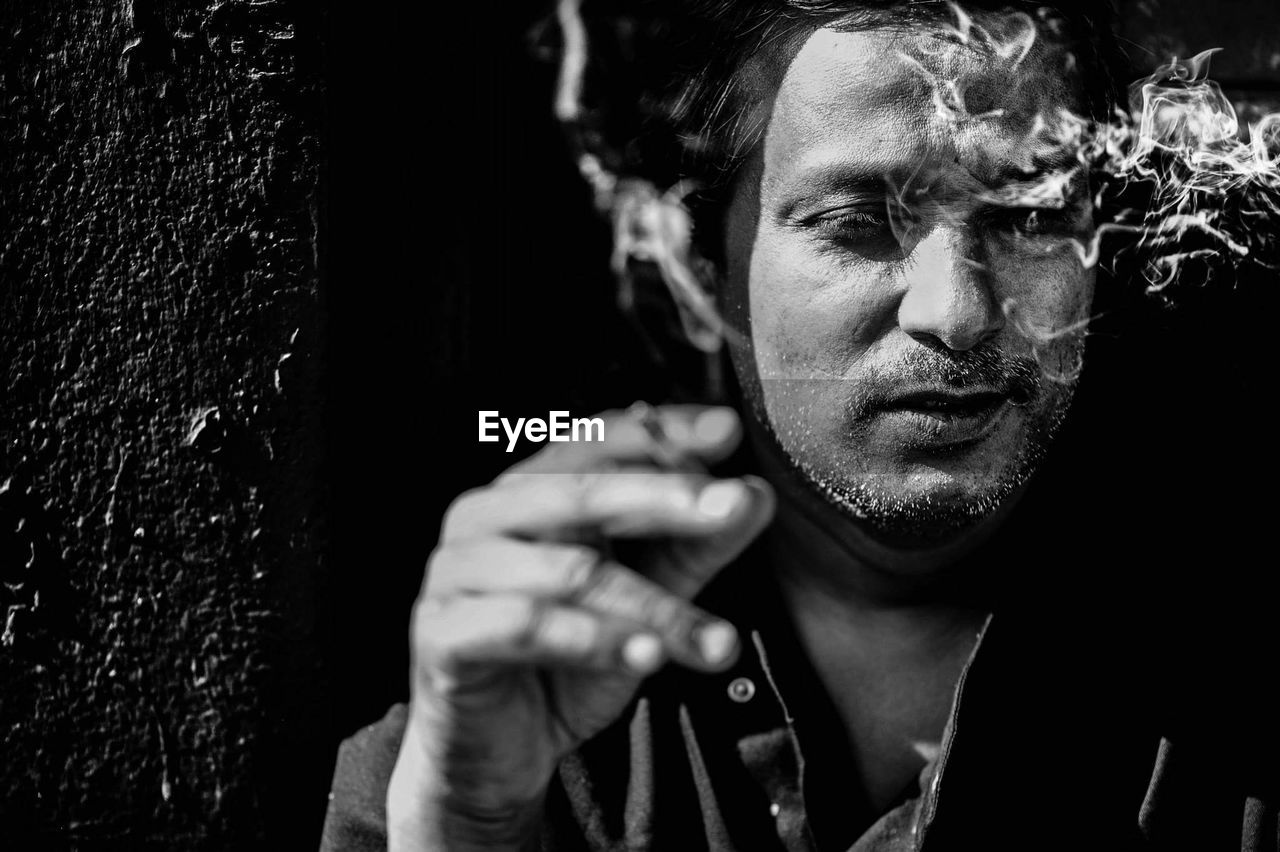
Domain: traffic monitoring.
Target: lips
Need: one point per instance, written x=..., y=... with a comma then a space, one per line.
x=948, y=403
x=945, y=418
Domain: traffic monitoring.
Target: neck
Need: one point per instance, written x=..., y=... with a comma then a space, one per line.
x=887, y=638
x=830, y=568
x=908, y=601
x=887, y=628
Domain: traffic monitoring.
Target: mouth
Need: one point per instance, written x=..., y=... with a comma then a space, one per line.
x=948, y=403
x=946, y=417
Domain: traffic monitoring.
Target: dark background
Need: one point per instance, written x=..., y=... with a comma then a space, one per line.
x=483, y=283
x=260, y=264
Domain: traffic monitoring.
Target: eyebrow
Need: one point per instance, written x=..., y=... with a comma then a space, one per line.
x=1015, y=180
x=827, y=178
x=852, y=179
x=852, y=175
x=1059, y=160
x=862, y=181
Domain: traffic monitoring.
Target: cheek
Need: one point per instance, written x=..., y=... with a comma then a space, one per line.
x=811, y=315
x=1045, y=297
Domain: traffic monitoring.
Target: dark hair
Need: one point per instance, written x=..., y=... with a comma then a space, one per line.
x=668, y=82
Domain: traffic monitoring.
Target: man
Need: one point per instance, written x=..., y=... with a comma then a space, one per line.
x=857, y=612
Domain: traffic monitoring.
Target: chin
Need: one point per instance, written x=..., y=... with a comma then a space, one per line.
x=920, y=508
x=920, y=500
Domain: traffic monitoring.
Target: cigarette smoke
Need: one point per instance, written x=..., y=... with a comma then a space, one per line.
x=1177, y=186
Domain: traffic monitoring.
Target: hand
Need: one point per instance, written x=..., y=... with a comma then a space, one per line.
x=533, y=630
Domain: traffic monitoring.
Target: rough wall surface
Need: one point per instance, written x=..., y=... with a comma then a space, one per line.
x=161, y=500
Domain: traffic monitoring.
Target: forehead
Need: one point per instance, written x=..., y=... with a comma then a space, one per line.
x=886, y=102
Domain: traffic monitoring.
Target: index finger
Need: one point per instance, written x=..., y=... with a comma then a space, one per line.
x=626, y=504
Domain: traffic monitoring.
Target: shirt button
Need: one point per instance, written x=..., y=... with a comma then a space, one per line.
x=742, y=690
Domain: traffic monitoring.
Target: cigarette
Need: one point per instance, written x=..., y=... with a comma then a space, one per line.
x=661, y=448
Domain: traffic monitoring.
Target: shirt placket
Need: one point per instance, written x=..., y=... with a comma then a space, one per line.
x=776, y=760
x=932, y=790
x=787, y=800
x=768, y=748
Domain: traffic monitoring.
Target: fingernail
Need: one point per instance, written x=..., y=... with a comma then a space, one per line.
x=719, y=499
x=715, y=425
x=642, y=653
x=716, y=641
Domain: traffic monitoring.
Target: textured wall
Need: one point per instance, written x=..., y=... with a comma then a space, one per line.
x=161, y=509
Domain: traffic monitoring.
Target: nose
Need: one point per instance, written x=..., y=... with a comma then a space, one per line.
x=948, y=300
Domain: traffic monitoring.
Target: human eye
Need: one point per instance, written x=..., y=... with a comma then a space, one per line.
x=850, y=223
x=863, y=230
x=1034, y=222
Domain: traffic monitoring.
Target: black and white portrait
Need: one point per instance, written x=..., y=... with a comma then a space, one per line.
x=590, y=425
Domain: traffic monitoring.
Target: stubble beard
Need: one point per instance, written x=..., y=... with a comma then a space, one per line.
x=878, y=502
x=872, y=501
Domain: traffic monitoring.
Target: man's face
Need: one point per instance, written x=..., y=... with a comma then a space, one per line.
x=915, y=330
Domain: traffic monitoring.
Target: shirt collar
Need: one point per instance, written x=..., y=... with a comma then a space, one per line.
x=771, y=700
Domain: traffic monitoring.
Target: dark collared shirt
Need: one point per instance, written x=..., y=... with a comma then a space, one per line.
x=1071, y=728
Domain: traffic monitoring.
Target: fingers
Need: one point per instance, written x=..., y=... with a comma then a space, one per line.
x=696, y=434
x=685, y=565
x=505, y=565
x=572, y=576
x=508, y=585
x=465, y=638
x=617, y=504
x=513, y=629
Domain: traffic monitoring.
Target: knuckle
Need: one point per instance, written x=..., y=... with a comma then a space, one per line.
x=425, y=638
x=578, y=569
x=618, y=589
x=583, y=490
x=524, y=619
x=664, y=611
x=569, y=634
x=438, y=568
x=682, y=623
x=463, y=513
x=615, y=587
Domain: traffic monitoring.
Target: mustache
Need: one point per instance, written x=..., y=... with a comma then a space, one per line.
x=985, y=366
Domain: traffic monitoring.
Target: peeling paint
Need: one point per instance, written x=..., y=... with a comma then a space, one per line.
x=158, y=259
